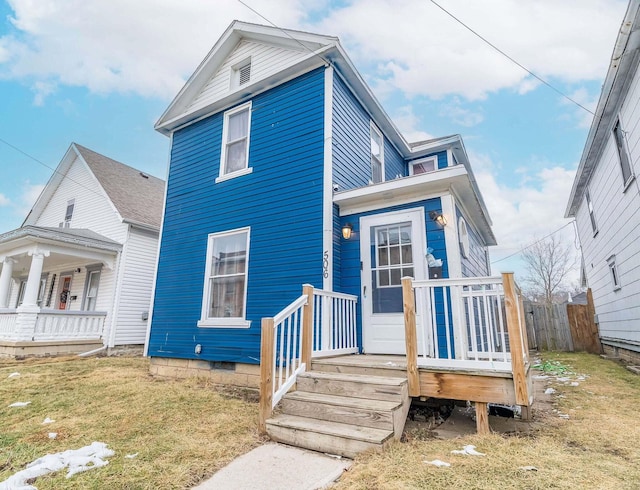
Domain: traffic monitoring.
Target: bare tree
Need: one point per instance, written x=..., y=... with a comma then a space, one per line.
x=549, y=261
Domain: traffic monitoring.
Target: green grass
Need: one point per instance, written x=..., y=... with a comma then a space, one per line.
x=183, y=431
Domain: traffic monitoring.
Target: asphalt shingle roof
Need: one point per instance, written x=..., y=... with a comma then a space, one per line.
x=137, y=196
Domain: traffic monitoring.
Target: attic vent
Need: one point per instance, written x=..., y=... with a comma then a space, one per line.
x=142, y=174
x=244, y=74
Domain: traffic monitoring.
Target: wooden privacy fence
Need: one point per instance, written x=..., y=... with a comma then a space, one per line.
x=563, y=327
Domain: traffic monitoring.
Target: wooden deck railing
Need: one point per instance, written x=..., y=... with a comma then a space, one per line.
x=318, y=323
x=466, y=323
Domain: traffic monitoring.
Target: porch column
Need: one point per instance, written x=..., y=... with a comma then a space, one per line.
x=33, y=281
x=5, y=281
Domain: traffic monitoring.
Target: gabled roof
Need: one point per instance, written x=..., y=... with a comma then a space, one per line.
x=623, y=66
x=136, y=196
x=320, y=51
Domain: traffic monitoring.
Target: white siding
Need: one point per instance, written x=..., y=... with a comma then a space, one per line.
x=137, y=269
x=266, y=60
x=92, y=210
x=618, y=217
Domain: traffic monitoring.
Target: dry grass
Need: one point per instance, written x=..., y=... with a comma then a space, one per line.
x=598, y=447
x=183, y=431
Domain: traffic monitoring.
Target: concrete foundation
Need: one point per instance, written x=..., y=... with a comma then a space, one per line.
x=24, y=349
x=626, y=355
x=232, y=374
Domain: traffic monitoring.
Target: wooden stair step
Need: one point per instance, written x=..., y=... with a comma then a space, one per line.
x=392, y=368
x=325, y=436
x=344, y=409
x=354, y=385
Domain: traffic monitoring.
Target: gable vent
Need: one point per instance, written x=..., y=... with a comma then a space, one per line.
x=245, y=74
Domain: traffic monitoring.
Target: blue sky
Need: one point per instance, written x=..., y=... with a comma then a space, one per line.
x=100, y=73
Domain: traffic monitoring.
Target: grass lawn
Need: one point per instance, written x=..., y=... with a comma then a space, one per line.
x=183, y=431
x=597, y=447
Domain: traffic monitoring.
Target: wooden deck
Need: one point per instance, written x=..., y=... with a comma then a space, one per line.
x=437, y=381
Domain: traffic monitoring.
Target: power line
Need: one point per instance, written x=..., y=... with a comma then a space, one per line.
x=510, y=58
x=533, y=243
x=55, y=170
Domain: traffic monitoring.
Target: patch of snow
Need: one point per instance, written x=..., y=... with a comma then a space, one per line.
x=19, y=404
x=76, y=460
x=575, y=383
x=53, y=435
x=438, y=463
x=549, y=391
x=390, y=363
x=131, y=456
x=468, y=450
x=540, y=376
x=14, y=375
x=564, y=416
x=563, y=379
x=48, y=421
x=528, y=468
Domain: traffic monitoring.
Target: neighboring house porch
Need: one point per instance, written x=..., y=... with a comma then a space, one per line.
x=49, y=290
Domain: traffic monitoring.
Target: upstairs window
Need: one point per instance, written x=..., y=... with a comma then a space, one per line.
x=592, y=216
x=423, y=165
x=241, y=73
x=225, y=287
x=613, y=270
x=234, y=159
x=623, y=154
x=69, y=212
x=377, y=155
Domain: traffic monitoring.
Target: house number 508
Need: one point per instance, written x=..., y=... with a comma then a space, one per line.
x=325, y=264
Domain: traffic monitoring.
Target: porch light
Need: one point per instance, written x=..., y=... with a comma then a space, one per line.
x=438, y=218
x=347, y=229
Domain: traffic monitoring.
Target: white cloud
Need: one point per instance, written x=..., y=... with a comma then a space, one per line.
x=459, y=115
x=28, y=197
x=523, y=213
x=408, y=124
x=149, y=47
x=588, y=101
x=144, y=47
x=4, y=200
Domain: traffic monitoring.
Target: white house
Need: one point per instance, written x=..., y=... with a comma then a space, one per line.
x=78, y=274
x=605, y=199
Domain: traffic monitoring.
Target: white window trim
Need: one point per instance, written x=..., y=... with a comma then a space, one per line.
x=463, y=237
x=374, y=129
x=223, y=152
x=591, y=212
x=620, y=151
x=423, y=160
x=613, y=273
x=224, y=322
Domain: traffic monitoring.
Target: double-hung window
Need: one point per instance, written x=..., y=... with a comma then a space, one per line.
x=234, y=160
x=613, y=271
x=377, y=155
x=224, y=298
x=623, y=154
x=592, y=217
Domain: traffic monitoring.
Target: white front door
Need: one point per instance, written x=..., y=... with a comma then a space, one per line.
x=392, y=246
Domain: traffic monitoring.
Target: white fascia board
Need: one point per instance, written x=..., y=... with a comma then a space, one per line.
x=624, y=62
x=327, y=187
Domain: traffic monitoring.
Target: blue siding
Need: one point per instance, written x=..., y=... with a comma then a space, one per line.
x=352, y=142
x=281, y=200
x=476, y=264
x=350, y=255
x=394, y=165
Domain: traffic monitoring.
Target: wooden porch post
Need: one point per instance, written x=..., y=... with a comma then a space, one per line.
x=307, y=326
x=266, y=377
x=482, y=418
x=410, y=336
x=516, y=341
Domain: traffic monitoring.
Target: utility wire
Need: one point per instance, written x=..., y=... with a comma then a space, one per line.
x=510, y=58
x=286, y=33
x=533, y=243
x=55, y=170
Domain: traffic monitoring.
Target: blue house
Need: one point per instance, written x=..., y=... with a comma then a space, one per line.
x=286, y=171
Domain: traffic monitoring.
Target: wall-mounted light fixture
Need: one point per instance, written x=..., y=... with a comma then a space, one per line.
x=438, y=218
x=347, y=230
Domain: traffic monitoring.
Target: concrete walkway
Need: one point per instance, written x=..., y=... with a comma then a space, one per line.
x=277, y=467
